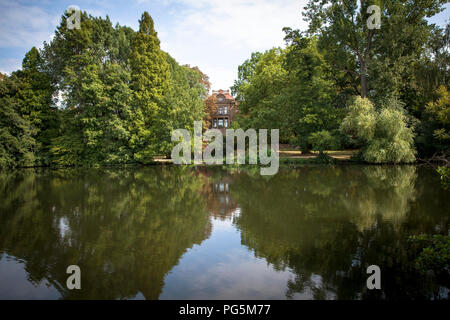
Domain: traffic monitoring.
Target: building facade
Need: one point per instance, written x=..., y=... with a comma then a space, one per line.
x=225, y=111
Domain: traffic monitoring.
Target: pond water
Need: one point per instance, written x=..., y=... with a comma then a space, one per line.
x=214, y=233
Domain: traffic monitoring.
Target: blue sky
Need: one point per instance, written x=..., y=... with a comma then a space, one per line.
x=215, y=35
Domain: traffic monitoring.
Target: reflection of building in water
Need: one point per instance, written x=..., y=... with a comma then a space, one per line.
x=219, y=201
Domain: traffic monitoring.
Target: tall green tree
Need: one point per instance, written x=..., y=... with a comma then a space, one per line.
x=435, y=129
x=30, y=120
x=429, y=96
x=313, y=93
x=289, y=89
x=182, y=104
x=35, y=99
x=261, y=92
x=380, y=58
x=122, y=95
x=149, y=81
x=90, y=72
x=430, y=72
x=17, y=143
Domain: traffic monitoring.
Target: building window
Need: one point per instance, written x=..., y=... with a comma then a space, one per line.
x=226, y=123
x=220, y=123
x=215, y=123
x=225, y=110
x=220, y=110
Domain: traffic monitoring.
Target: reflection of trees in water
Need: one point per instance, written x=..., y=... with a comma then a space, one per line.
x=327, y=224
x=387, y=192
x=125, y=229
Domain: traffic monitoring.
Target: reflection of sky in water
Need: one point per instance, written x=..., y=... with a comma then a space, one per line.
x=63, y=226
x=219, y=268
x=222, y=268
x=14, y=283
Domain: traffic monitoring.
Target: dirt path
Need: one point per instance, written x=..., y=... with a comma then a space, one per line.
x=295, y=154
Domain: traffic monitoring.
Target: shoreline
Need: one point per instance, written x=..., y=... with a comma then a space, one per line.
x=291, y=163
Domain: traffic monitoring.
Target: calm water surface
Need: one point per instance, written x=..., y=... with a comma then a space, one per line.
x=210, y=233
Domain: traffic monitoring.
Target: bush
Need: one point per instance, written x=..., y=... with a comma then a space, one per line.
x=324, y=158
x=445, y=176
x=383, y=135
x=322, y=140
x=360, y=122
x=433, y=253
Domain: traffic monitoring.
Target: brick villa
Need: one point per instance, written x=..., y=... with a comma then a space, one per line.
x=226, y=109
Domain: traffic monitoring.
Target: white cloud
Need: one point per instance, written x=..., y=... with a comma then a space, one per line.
x=216, y=35
x=9, y=65
x=219, y=35
x=24, y=26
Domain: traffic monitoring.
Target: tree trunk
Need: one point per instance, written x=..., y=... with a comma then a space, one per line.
x=364, y=92
x=363, y=86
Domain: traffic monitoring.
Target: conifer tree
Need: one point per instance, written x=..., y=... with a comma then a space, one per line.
x=17, y=144
x=149, y=81
x=34, y=98
x=120, y=97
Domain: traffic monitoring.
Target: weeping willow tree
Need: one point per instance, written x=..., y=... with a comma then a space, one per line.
x=384, y=134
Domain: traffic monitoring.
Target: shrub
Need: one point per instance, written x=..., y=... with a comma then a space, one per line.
x=322, y=140
x=383, y=135
x=360, y=122
x=445, y=176
x=433, y=253
x=324, y=158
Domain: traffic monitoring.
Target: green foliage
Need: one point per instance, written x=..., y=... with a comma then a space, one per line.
x=360, y=121
x=433, y=253
x=29, y=120
x=435, y=127
x=290, y=90
x=92, y=74
x=182, y=105
x=16, y=133
x=393, y=140
x=322, y=140
x=444, y=172
x=323, y=158
x=312, y=92
x=378, y=63
x=384, y=135
x=35, y=99
x=261, y=92
x=149, y=81
x=406, y=59
x=121, y=95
